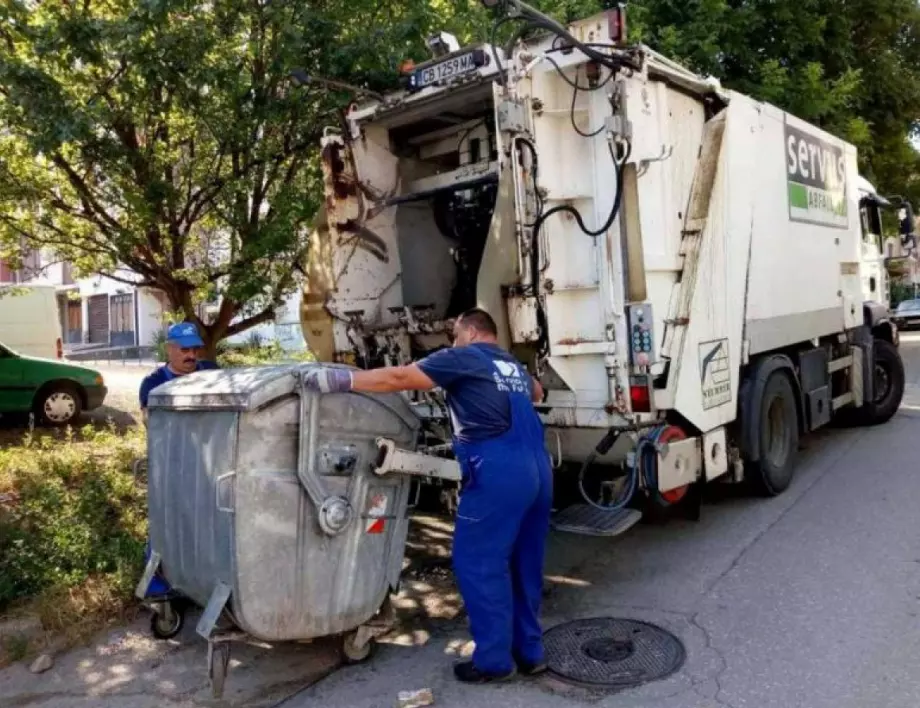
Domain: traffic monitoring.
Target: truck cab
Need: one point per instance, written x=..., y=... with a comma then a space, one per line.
x=874, y=274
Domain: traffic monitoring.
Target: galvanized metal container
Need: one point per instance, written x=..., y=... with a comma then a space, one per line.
x=263, y=501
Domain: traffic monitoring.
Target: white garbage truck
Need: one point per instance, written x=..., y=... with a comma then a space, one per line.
x=683, y=267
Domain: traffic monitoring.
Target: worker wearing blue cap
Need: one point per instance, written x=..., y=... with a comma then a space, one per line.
x=183, y=352
x=183, y=356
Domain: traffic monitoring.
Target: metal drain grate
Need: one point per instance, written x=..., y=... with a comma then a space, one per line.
x=612, y=653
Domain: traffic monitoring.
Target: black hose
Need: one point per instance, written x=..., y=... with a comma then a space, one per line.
x=593, y=133
x=626, y=495
x=514, y=38
x=574, y=84
x=548, y=23
x=535, y=238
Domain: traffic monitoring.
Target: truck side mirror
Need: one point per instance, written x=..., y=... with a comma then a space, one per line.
x=905, y=220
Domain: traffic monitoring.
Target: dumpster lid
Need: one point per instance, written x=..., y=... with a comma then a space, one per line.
x=226, y=389
x=250, y=388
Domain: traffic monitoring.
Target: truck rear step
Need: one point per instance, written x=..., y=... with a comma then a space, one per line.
x=587, y=520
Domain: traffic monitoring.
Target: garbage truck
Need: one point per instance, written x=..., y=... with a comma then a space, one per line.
x=682, y=267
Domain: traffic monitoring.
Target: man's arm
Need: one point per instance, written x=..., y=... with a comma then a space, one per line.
x=144, y=395
x=390, y=379
x=537, y=393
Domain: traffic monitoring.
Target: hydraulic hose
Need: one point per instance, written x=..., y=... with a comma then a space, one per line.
x=643, y=467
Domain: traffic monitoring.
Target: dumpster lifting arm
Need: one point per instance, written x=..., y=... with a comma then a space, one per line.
x=391, y=459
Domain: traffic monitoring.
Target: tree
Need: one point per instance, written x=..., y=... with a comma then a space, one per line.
x=166, y=136
x=850, y=66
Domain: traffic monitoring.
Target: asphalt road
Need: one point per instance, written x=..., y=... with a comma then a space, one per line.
x=808, y=600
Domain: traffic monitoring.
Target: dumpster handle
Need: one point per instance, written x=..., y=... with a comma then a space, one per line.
x=217, y=489
x=333, y=512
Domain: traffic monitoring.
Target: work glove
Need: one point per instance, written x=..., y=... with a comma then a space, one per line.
x=328, y=380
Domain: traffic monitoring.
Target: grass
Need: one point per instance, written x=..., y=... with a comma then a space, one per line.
x=257, y=354
x=72, y=530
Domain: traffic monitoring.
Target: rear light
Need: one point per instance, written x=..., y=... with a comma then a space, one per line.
x=59, y=345
x=617, y=24
x=406, y=67
x=641, y=398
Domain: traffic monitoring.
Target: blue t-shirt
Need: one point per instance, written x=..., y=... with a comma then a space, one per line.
x=477, y=387
x=162, y=375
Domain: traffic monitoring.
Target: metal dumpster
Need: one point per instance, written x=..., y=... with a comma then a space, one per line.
x=269, y=509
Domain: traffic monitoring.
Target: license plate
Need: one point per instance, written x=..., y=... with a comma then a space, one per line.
x=452, y=66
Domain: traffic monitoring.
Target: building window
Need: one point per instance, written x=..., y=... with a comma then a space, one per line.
x=122, y=312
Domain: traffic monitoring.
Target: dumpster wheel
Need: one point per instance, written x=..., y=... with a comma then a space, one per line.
x=167, y=621
x=355, y=654
x=218, y=663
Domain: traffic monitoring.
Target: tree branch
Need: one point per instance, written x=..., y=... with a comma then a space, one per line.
x=143, y=283
x=266, y=315
x=79, y=184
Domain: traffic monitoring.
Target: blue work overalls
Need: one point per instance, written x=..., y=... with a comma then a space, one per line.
x=500, y=538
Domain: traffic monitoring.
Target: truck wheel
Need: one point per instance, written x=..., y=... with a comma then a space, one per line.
x=779, y=438
x=889, y=385
x=58, y=405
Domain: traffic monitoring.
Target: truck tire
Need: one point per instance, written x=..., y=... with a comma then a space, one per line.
x=889, y=385
x=779, y=437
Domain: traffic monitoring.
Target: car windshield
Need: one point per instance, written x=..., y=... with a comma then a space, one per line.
x=909, y=306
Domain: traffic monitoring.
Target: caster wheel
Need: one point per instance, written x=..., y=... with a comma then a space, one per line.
x=353, y=653
x=168, y=622
x=218, y=662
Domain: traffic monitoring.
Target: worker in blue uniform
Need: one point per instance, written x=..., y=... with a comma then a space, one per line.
x=506, y=491
x=184, y=348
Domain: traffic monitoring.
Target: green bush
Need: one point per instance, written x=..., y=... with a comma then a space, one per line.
x=257, y=354
x=71, y=516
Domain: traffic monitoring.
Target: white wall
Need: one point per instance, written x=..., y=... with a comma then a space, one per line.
x=150, y=309
x=286, y=329
x=101, y=285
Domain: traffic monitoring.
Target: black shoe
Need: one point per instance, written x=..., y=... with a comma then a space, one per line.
x=525, y=668
x=468, y=673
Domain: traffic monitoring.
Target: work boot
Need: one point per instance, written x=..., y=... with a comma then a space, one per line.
x=526, y=668
x=468, y=673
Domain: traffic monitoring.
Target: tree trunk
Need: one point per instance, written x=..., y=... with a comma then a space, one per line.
x=211, y=339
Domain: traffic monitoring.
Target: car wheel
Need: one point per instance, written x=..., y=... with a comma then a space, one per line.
x=58, y=405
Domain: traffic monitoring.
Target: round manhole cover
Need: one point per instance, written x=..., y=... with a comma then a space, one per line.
x=612, y=653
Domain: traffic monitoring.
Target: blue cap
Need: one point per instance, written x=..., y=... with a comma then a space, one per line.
x=185, y=335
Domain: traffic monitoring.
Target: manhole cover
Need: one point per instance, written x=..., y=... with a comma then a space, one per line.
x=613, y=653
